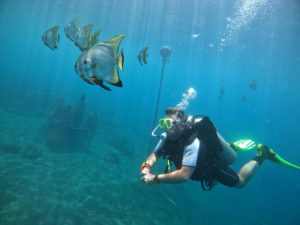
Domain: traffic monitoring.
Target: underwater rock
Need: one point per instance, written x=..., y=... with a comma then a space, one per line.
x=66, y=128
x=78, y=112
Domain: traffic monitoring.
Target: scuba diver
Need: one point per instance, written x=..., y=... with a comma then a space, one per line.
x=200, y=153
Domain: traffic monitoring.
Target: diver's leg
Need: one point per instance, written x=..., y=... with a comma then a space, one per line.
x=250, y=168
x=228, y=155
x=247, y=172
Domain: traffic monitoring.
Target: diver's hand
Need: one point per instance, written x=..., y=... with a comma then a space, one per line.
x=145, y=171
x=148, y=178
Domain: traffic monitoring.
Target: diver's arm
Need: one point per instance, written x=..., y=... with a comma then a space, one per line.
x=177, y=176
x=151, y=160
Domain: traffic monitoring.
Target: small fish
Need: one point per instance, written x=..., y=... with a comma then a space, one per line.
x=51, y=37
x=222, y=91
x=99, y=63
x=82, y=37
x=253, y=84
x=71, y=29
x=244, y=98
x=93, y=38
x=143, y=55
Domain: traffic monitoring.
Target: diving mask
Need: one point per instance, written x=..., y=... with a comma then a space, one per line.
x=168, y=123
x=165, y=123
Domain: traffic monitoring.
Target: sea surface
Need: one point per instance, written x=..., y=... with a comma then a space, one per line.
x=70, y=152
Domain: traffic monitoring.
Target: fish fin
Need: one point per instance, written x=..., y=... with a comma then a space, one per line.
x=145, y=54
x=81, y=48
x=90, y=40
x=89, y=27
x=119, y=84
x=95, y=38
x=99, y=82
x=85, y=79
x=49, y=46
x=114, y=79
x=145, y=49
x=145, y=58
x=139, y=58
x=53, y=43
x=103, y=86
x=120, y=60
x=54, y=28
x=114, y=43
x=57, y=37
x=97, y=32
x=68, y=36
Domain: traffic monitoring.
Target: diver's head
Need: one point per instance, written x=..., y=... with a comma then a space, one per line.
x=175, y=122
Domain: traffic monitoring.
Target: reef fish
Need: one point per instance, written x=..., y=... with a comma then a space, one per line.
x=50, y=37
x=94, y=38
x=143, y=55
x=71, y=29
x=99, y=63
x=253, y=84
x=82, y=37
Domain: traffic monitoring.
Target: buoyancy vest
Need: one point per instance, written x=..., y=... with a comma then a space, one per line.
x=208, y=157
x=173, y=150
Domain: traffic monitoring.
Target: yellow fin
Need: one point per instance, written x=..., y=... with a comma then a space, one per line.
x=120, y=60
x=114, y=43
x=114, y=77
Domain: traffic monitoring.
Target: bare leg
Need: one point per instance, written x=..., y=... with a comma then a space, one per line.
x=247, y=172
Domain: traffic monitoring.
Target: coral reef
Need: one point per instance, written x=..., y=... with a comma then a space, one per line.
x=69, y=129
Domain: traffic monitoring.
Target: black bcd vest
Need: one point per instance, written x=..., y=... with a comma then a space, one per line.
x=208, y=157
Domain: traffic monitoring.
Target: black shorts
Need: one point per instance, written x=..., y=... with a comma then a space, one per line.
x=226, y=176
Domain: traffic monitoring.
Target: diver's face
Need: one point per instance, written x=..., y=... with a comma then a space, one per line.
x=177, y=128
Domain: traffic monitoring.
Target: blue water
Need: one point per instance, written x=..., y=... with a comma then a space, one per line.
x=237, y=41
